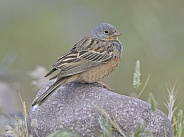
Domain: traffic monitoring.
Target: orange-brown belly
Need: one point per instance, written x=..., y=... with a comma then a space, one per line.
x=98, y=73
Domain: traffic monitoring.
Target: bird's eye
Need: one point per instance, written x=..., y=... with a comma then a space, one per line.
x=106, y=31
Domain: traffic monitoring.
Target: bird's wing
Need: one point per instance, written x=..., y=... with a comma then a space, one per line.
x=83, y=61
x=76, y=61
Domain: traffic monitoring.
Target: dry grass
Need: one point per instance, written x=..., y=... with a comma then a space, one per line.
x=108, y=123
x=20, y=128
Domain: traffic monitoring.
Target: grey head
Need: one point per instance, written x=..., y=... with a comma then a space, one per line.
x=105, y=31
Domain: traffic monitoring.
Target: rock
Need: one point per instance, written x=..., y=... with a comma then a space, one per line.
x=82, y=108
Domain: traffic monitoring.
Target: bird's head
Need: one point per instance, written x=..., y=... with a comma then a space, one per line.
x=105, y=31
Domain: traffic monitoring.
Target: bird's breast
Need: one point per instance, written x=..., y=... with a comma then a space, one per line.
x=118, y=46
x=97, y=73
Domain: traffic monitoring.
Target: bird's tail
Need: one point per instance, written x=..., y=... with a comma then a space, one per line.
x=40, y=100
x=50, y=72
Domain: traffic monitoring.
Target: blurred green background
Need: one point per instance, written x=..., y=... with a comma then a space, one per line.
x=37, y=32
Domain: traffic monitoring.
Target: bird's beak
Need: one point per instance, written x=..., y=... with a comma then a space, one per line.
x=117, y=33
x=114, y=36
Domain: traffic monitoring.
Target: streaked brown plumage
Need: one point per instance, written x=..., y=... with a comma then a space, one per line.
x=94, y=57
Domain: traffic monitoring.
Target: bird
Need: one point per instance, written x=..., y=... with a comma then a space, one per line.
x=91, y=59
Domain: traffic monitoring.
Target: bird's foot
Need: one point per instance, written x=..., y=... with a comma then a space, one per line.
x=103, y=85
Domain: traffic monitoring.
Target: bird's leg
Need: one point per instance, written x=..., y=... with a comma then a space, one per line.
x=101, y=84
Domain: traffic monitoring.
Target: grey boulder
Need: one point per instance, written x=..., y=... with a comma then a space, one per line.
x=83, y=108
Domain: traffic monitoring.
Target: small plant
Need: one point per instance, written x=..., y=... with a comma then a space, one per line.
x=106, y=124
x=172, y=93
x=20, y=128
x=63, y=134
x=178, y=124
x=137, y=79
x=140, y=131
x=152, y=102
x=17, y=130
x=137, y=76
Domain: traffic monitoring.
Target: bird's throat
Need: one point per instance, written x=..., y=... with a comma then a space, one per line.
x=111, y=38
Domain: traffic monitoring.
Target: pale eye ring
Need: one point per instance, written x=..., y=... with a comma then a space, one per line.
x=106, y=31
